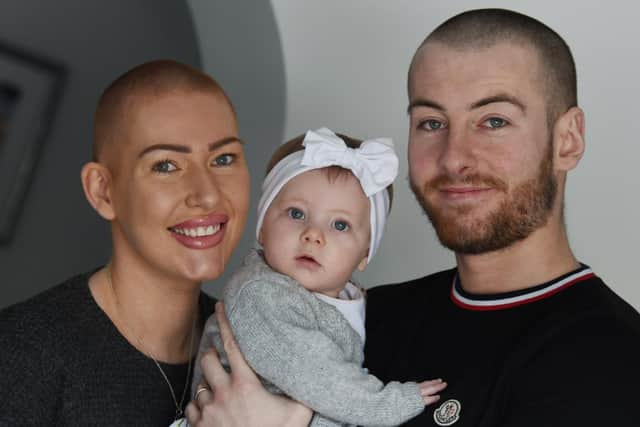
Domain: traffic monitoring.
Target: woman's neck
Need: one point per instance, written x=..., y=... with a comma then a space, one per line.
x=157, y=316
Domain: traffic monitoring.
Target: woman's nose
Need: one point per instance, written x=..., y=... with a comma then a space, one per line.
x=203, y=192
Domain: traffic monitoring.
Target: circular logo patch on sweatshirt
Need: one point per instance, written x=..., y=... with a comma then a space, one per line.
x=447, y=413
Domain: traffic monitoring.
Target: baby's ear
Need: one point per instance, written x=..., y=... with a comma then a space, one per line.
x=363, y=264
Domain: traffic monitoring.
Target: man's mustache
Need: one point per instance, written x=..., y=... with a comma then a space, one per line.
x=476, y=180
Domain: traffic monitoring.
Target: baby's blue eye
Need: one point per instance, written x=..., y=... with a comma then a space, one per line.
x=296, y=213
x=165, y=166
x=224, y=160
x=341, y=225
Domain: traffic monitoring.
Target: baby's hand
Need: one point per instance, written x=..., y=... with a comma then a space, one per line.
x=428, y=390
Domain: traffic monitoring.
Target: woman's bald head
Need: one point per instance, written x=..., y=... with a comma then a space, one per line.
x=144, y=83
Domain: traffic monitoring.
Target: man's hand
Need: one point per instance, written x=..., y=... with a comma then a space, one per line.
x=239, y=399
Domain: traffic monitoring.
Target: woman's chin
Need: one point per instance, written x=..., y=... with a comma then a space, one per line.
x=201, y=272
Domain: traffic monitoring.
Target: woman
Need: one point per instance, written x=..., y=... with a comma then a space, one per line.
x=115, y=346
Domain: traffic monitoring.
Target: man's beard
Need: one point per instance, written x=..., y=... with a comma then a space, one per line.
x=525, y=209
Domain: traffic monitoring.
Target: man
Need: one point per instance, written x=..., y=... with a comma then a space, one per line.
x=523, y=333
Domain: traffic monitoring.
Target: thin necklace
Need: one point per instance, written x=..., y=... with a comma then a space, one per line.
x=179, y=412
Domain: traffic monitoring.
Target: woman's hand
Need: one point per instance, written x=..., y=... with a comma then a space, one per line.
x=238, y=398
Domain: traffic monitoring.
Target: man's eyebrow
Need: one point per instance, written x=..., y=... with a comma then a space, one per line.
x=423, y=102
x=185, y=149
x=501, y=97
x=224, y=141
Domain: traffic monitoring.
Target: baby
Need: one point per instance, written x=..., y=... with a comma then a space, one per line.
x=293, y=307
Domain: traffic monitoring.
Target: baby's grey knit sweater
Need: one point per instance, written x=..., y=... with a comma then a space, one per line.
x=304, y=347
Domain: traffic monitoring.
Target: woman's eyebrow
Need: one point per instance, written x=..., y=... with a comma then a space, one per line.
x=165, y=147
x=224, y=141
x=186, y=149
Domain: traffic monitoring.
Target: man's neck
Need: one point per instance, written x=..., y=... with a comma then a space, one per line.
x=541, y=257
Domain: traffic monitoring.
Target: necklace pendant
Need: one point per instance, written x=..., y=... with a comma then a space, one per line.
x=180, y=422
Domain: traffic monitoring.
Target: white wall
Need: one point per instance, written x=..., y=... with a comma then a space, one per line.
x=346, y=64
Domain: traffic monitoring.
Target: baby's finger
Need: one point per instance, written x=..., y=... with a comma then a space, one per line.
x=428, y=400
x=428, y=388
x=431, y=382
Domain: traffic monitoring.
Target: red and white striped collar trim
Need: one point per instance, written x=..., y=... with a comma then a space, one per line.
x=501, y=303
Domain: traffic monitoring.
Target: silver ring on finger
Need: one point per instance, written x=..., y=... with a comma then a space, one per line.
x=200, y=390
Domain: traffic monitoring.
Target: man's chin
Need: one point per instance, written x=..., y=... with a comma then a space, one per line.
x=466, y=232
x=490, y=234
x=468, y=247
x=463, y=240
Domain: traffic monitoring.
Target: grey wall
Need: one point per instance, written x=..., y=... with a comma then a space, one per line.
x=240, y=47
x=58, y=234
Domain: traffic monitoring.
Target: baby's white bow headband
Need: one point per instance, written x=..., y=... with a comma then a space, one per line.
x=374, y=163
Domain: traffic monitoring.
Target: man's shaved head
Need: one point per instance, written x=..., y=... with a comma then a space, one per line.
x=484, y=28
x=143, y=83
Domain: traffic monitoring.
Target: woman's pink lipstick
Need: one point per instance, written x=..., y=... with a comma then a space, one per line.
x=202, y=232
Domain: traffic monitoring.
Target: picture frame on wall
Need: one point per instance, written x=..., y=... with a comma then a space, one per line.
x=30, y=88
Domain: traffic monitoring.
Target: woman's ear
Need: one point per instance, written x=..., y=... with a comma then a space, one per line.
x=568, y=137
x=96, y=183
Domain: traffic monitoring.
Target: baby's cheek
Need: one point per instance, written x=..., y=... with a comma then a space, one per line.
x=352, y=248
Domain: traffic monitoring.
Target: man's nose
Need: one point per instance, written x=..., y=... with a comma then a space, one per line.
x=457, y=156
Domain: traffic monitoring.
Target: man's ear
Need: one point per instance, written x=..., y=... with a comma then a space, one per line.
x=96, y=183
x=363, y=264
x=568, y=139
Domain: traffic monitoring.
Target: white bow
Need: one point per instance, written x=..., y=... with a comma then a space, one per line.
x=374, y=163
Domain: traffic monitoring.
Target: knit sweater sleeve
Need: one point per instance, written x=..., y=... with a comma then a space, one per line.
x=30, y=384
x=279, y=336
